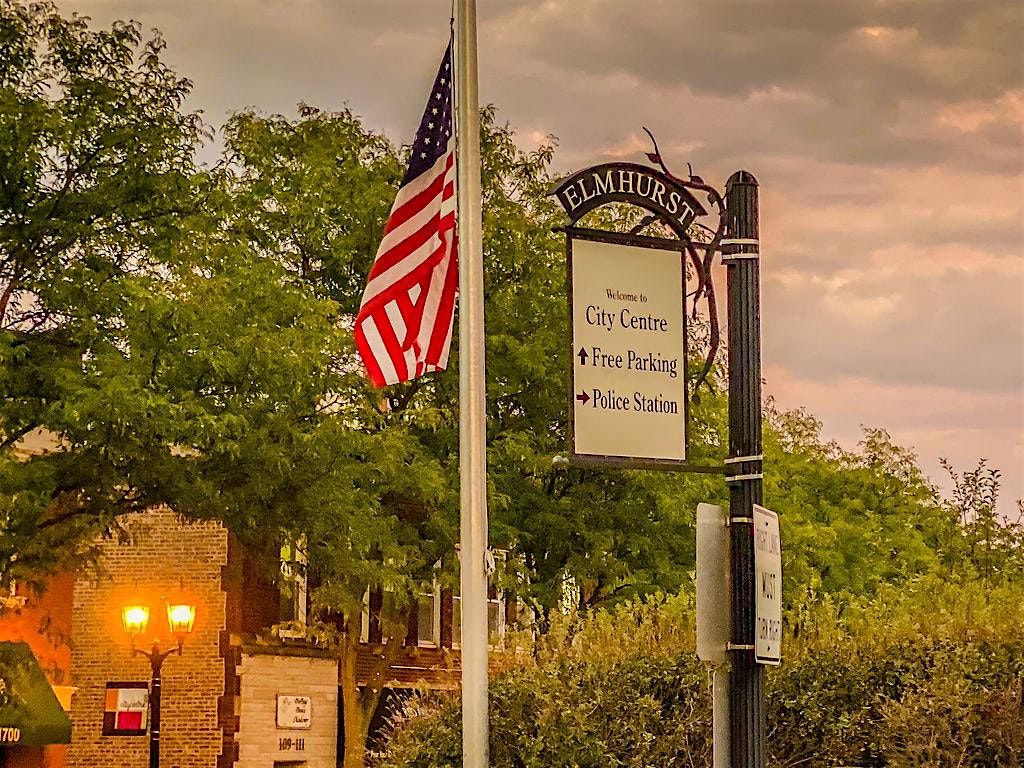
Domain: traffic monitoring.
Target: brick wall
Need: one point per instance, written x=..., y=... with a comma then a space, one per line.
x=163, y=556
x=265, y=676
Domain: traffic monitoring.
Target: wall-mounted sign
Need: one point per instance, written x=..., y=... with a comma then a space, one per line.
x=126, y=709
x=767, y=587
x=628, y=333
x=294, y=712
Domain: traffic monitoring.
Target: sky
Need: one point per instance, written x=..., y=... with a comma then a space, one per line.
x=887, y=138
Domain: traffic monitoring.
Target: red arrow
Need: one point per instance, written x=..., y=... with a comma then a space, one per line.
x=583, y=398
x=582, y=355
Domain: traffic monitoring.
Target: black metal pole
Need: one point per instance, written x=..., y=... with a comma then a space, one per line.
x=740, y=251
x=156, y=660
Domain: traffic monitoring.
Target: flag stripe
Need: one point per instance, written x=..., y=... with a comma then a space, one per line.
x=374, y=353
x=404, y=325
x=416, y=200
x=397, y=260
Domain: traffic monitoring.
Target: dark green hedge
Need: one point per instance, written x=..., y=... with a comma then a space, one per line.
x=930, y=676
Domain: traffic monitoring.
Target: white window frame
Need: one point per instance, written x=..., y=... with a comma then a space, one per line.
x=364, y=618
x=499, y=599
x=299, y=577
x=364, y=623
x=435, y=603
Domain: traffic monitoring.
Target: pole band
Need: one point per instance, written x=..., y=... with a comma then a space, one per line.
x=740, y=459
x=739, y=646
x=736, y=256
x=739, y=241
x=738, y=478
x=744, y=520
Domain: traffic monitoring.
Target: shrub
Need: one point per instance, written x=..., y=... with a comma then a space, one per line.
x=927, y=675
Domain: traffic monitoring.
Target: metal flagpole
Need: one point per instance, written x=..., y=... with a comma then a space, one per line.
x=472, y=416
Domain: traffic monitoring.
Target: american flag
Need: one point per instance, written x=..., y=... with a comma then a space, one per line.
x=404, y=325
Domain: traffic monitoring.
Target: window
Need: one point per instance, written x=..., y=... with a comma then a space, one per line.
x=428, y=618
x=495, y=606
x=292, y=582
x=429, y=625
x=495, y=617
x=9, y=597
x=456, y=621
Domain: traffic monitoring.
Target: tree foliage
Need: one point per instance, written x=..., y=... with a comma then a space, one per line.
x=96, y=180
x=852, y=519
x=992, y=543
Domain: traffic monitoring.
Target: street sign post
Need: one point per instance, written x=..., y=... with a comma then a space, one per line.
x=629, y=332
x=627, y=409
x=714, y=618
x=742, y=257
x=767, y=587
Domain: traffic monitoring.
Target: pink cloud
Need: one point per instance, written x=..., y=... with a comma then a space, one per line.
x=936, y=422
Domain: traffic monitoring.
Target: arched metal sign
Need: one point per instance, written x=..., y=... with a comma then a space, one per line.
x=631, y=183
x=629, y=386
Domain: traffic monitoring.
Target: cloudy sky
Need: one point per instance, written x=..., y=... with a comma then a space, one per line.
x=888, y=139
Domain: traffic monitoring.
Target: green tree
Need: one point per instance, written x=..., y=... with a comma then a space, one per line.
x=609, y=534
x=852, y=520
x=312, y=195
x=991, y=543
x=173, y=338
x=96, y=179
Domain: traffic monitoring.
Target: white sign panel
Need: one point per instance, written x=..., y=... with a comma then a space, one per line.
x=714, y=587
x=294, y=711
x=767, y=587
x=628, y=334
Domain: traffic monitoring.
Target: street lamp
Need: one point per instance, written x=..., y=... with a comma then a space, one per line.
x=180, y=618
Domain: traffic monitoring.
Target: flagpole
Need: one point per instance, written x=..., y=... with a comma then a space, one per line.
x=472, y=414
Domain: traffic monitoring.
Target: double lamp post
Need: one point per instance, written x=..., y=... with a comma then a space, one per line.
x=181, y=616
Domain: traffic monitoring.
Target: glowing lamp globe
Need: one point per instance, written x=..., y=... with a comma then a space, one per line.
x=134, y=618
x=180, y=618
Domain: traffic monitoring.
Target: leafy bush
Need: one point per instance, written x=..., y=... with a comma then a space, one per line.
x=929, y=675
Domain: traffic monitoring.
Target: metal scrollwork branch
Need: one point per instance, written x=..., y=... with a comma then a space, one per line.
x=701, y=262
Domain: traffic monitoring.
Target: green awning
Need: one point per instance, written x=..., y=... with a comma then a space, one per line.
x=30, y=714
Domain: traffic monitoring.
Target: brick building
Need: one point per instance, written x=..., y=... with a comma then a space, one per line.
x=235, y=696
x=35, y=632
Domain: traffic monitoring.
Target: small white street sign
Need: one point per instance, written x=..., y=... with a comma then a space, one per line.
x=767, y=587
x=294, y=711
x=628, y=337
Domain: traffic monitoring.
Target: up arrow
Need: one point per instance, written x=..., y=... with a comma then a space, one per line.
x=583, y=397
x=582, y=355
